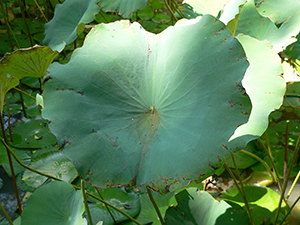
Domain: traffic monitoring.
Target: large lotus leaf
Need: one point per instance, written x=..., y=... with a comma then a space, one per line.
x=55, y=203
x=255, y=25
x=265, y=69
x=55, y=164
x=277, y=10
x=27, y=62
x=212, y=7
x=199, y=207
x=62, y=29
x=134, y=106
x=6, y=83
x=124, y=7
x=127, y=201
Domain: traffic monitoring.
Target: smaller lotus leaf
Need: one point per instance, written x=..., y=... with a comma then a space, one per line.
x=148, y=215
x=259, y=27
x=55, y=203
x=262, y=200
x=62, y=29
x=33, y=134
x=203, y=7
x=27, y=62
x=23, y=155
x=277, y=10
x=127, y=201
x=231, y=9
x=54, y=164
x=199, y=207
x=125, y=7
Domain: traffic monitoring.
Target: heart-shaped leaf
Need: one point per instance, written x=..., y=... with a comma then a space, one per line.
x=134, y=106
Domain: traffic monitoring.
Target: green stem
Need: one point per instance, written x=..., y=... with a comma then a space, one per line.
x=7, y=26
x=295, y=154
x=86, y=203
x=109, y=211
x=11, y=166
x=78, y=188
x=20, y=90
x=170, y=10
x=8, y=112
x=293, y=185
x=101, y=13
x=241, y=192
x=5, y=214
x=262, y=162
x=26, y=24
x=177, y=8
x=269, y=154
x=243, y=189
x=22, y=104
x=285, y=163
x=295, y=107
x=161, y=219
x=37, y=4
x=286, y=215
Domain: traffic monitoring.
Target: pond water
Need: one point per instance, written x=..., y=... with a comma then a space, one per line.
x=8, y=196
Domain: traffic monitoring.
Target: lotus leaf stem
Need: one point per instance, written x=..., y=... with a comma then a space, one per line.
x=5, y=214
x=170, y=10
x=295, y=154
x=177, y=8
x=262, y=162
x=161, y=219
x=269, y=154
x=87, y=209
x=295, y=107
x=25, y=93
x=241, y=189
x=293, y=185
x=26, y=24
x=5, y=16
x=285, y=162
x=11, y=166
x=109, y=211
x=8, y=120
x=37, y=4
x=101, y=13
x=286, y=215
